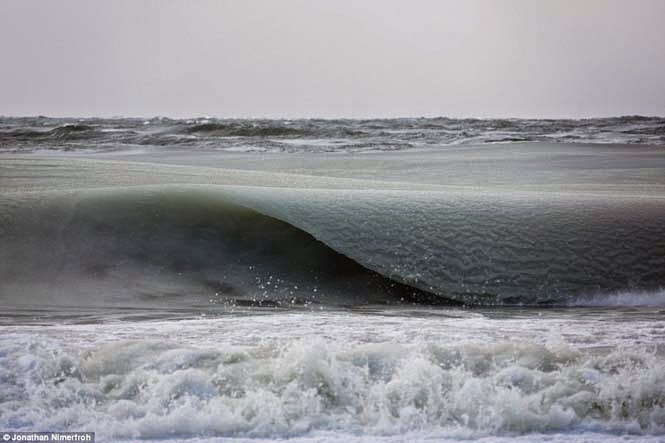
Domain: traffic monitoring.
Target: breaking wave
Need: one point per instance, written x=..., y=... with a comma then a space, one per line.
x=196, y=245
x=182, y=248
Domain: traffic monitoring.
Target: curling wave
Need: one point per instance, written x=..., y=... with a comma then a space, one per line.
x=197, y=244
x=175, y=248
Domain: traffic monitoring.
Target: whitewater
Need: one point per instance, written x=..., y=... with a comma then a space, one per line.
x=312, y=280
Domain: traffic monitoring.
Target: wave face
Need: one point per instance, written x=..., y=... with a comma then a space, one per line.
x=42, y=133
x=485, y=249
x=193, y=246
x=175, y=248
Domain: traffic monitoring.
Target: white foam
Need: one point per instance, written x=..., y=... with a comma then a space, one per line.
x=623, y=298
x=321, y=377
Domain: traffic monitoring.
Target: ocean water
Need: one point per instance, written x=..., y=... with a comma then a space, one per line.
x=310, y=280
x=313, y=135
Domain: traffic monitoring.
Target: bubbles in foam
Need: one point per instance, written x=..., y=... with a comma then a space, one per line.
x=451, y=376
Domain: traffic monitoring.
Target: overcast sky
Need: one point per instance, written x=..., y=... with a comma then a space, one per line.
x=290, y=58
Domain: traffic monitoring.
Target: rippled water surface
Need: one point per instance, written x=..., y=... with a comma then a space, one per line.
x=311, y=135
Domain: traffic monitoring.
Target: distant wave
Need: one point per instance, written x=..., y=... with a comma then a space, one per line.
x=67, y=132
x=314, y=135
x=243, y=130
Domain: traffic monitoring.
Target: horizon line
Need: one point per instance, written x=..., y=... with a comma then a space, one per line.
x=403, y=117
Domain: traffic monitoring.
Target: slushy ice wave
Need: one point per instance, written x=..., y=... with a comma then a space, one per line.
x=180, y=245
x=285, y=376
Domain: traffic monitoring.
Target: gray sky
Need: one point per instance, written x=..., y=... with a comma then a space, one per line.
x=290, y=58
